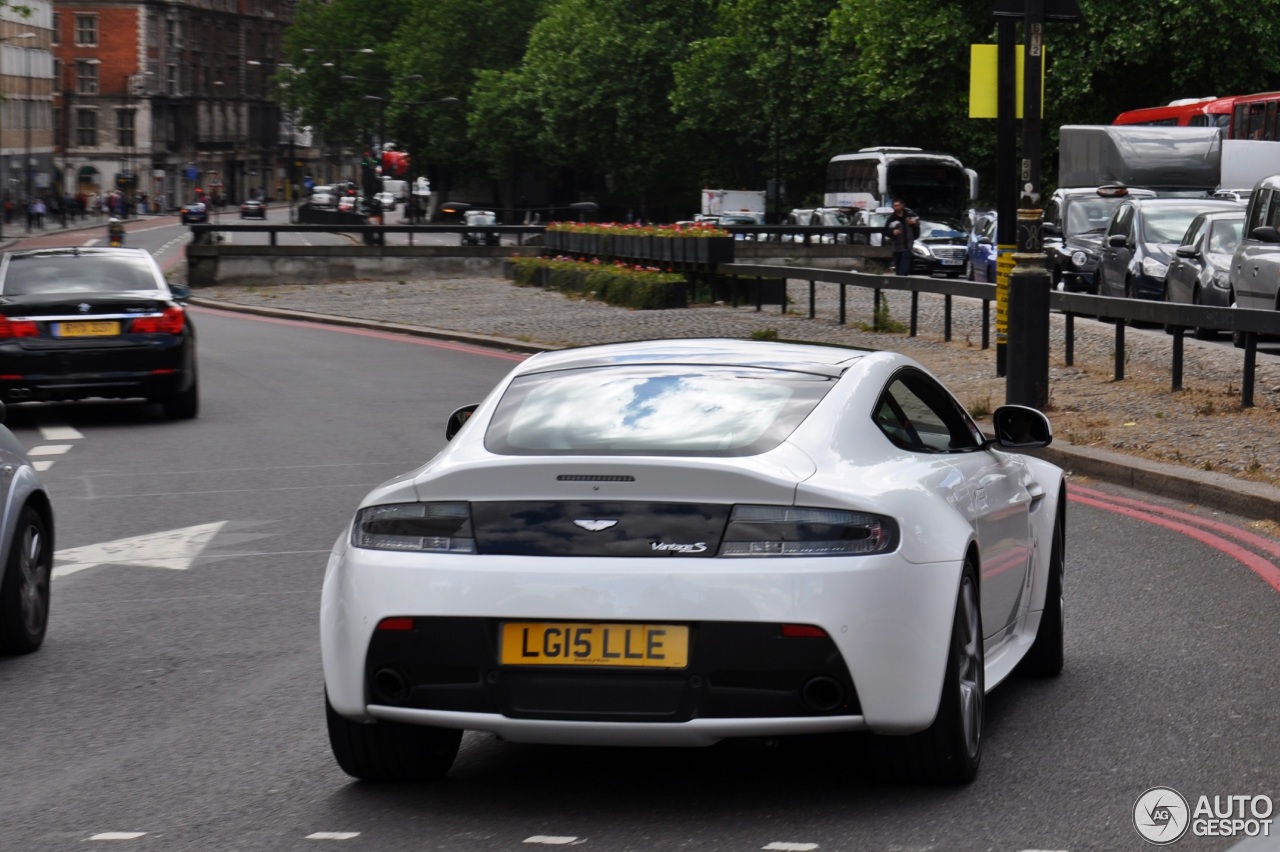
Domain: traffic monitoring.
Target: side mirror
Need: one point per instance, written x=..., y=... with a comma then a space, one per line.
x=1117, y=241
x=1265, y=234
x=1051, y=229
x=458, y=419
x=1019, y=427
x=1186, y=251
x=181, y=292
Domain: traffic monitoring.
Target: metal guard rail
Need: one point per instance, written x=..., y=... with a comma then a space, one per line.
x=1250, y=324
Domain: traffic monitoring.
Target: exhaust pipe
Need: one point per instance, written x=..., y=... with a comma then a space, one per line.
x=822, y=694
x=390, y=686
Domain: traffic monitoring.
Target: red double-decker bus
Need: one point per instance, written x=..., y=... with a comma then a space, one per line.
x=1189, y=112
x=1255, y=117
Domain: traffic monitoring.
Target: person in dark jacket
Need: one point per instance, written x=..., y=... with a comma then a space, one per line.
x=904, y=227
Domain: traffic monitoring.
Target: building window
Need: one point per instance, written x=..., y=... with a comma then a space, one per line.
x=86, y=128
x=86, y=78
x=55, y=38
x=124, y=127
x=173, y=79
x=87, y=30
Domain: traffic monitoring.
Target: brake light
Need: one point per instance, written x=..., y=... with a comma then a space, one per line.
x=805, y=531
x=803, y=631
x=438, y=527
x=396, y=623
x=172, y=321
x=19, y=328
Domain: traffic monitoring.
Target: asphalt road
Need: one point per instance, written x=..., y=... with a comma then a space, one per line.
x=177, y=702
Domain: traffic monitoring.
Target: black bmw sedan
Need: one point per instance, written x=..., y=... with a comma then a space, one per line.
x=77, y=323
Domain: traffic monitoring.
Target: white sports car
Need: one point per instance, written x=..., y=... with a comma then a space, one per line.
x=676, y=542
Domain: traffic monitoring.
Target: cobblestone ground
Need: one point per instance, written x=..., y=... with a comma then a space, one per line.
x=1202, y=426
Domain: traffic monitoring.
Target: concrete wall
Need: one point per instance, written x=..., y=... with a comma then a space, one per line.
x=221, y=263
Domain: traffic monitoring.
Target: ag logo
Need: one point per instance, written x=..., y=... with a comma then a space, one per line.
x=1161, y=815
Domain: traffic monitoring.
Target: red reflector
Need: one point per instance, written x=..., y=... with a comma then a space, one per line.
x=400, y=623
x=170, y=322
x=9, y=328
x=803, y=631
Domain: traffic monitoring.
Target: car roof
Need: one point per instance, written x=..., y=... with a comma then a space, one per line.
x=801, y=357
x=1205, y=204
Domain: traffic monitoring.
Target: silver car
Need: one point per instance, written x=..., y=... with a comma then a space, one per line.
x=26, y=542
x=1255, y=266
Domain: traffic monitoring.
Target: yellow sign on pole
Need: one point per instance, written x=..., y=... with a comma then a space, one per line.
x=983, y=78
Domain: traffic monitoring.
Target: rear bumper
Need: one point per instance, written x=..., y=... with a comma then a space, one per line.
x=155, y=370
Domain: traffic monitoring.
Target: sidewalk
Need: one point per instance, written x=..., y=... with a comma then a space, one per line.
x=1134, y=433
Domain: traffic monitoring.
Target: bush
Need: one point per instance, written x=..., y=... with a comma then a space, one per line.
x=640, y=288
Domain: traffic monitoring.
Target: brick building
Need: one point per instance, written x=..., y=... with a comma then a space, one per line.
x=168, y=98
x=26, y=129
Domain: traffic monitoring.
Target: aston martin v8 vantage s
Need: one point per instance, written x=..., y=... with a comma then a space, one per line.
x=677, y=542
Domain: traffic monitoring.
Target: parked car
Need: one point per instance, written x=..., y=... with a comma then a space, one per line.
x=1241, y=195
x=1140, y=240
x=1200, y=271
x=676, y=542
x=193, y=212
x=1255, y=266
x=983, y=250
x=387, y=200
x=1075, y=222
x=480, y=237
x=26, y=542
x=253, y=208
x=940, y=247
x=323, y=198
x=95, y=321
x=877, y=217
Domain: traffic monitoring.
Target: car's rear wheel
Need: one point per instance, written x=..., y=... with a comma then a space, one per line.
x=183, y=405
x=1046, y=656
x=391, y=751
x=949, y=750
x=24, y=595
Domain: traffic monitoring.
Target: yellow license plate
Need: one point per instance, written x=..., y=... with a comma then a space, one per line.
x=87, y=329
x=556, y=644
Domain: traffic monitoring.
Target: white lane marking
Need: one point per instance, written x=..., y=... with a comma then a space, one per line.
x=60, y=433
x=49, y=450
x=553, y=841
x=42, y=465
x=333, y=835
x=173, y=549
x=118, y=835
x=791, y=847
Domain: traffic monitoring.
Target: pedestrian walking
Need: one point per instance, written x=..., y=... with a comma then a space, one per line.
x=904, y=227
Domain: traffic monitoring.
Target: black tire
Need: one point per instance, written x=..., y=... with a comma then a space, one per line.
x=183, y=405
x=24, y=595
x=950, y=750
x=1046, y=656
x=391, y=751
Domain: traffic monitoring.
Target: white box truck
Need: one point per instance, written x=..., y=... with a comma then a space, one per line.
x=743, y=202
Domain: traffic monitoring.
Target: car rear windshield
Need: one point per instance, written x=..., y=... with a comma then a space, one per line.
x=73, y=274
x=672, y=410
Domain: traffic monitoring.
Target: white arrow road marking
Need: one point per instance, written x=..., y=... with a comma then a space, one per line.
x=554, y=841
x=791, y=847
x=118, y=835
x=174, y=549
x=333, y=835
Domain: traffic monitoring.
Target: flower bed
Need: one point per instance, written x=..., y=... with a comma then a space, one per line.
x=695, y=243
x=629, y=286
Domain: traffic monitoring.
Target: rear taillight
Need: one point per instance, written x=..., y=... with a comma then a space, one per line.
x=801, y=531
x=415, y=527
x=18, y=328
x=172, y=321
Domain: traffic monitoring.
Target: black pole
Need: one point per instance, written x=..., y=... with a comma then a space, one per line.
x=1006, y=172
x=1028, y=367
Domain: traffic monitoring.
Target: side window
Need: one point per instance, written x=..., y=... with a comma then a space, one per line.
x=918, y=414
x=1258, y=205
x=1195, y=234
x=1120, y=223
x=1053, y=212
x=1272, y=216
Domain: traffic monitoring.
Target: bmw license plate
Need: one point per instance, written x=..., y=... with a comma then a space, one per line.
x=86, y=329
x=560, y=644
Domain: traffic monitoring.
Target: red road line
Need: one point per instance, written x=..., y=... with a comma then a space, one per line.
x=1252, y=539
x=1259, y=565
x=400, y=337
